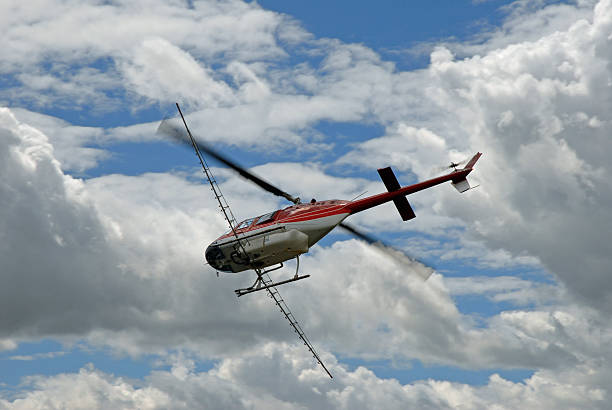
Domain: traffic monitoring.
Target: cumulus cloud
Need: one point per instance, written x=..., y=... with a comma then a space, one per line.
x=45, y=223
x=544, y=168
x=117, y=260
x=161, y=71
x=505, y=288
x=539, y=110
x=71, y=144
x=127, y=251
x=253, y=381
x=69, y=269
x=240, y=30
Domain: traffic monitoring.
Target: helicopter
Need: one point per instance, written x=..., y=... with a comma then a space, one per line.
x=284, y=234
x=262, y=243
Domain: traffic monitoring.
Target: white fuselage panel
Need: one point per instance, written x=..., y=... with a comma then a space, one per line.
x=270, y=245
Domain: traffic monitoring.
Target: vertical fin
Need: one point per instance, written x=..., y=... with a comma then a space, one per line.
x=472, y=161
x=401, y=203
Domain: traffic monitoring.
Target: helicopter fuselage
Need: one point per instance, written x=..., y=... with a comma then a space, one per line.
x=275, y=237
x=281, y=235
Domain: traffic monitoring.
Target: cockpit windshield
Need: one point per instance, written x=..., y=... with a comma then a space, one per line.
x=245, y=224
x=266, y=218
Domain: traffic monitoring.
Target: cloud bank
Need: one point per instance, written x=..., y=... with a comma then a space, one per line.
x=117, y=260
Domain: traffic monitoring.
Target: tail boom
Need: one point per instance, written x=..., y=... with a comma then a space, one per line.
x=458, y=178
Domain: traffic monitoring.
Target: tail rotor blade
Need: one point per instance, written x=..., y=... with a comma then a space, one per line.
x=422, y=270
x=178, y=133
x=446, y=168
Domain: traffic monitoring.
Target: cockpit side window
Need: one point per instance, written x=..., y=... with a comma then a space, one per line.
x=266, y=218
x=244, y=224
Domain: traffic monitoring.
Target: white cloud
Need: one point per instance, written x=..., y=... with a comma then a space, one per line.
x=253, y=380
x=406, y=148
x=528, y=106
x=537, y=171
x=527, y=21
x=159, y=70
x=118, y=260
x=128, y=42
x=130, y=258
x=239, y=29
x=37, y=356
x=70, y=143
x=505, y=289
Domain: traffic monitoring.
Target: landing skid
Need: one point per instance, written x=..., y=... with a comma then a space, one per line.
x=259, y=285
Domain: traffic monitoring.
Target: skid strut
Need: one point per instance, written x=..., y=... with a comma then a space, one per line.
x=260, y=285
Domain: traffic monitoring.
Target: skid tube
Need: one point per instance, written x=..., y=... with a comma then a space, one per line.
x=245, y=291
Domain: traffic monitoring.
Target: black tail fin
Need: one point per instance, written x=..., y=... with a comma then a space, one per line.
x=401, y=203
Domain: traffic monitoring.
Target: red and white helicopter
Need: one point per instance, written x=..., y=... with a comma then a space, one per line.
x=264, y=242
x=284, y=234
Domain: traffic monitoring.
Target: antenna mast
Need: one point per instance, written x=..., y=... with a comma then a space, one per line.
x=225, y=208
x=263, y=275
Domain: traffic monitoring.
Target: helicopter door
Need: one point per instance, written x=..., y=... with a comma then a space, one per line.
x=238, y=257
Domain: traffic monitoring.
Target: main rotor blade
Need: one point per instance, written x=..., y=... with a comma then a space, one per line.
x=420, y=268
x=178, y=133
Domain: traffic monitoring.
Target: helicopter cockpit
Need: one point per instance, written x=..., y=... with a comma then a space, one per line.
x=258, y=220
x=244, y=224
x=266, y=217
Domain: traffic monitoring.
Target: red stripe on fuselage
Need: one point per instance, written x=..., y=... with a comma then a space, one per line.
x=296, y=213
x=313, y=211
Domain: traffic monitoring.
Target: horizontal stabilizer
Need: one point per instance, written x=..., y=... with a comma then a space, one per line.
x=401, y=203
x=462, y=185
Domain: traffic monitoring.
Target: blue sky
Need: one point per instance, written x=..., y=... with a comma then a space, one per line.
x=104, y=222
x=395, y=26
